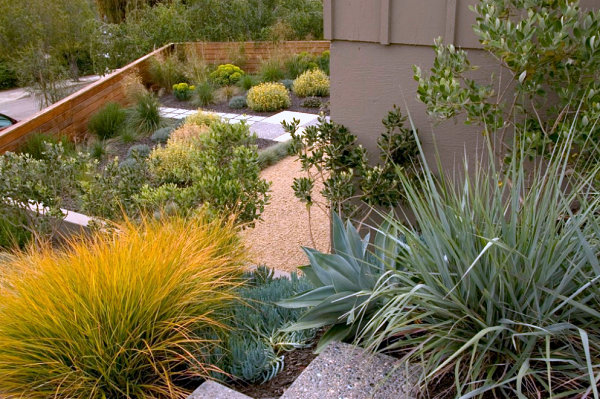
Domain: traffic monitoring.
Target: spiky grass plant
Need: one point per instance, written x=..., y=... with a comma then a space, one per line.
x=120, y=315
x=499, y=283
x=495, y=286
x=144, y=116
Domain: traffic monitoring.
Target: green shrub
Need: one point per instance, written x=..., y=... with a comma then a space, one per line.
x=297, y=64
x=218, y=170
x=139, y=151
x=108, y=121
x=110, y=192
x=183, y=91
x=494, y=286
x=323, y=61
x=43, y=183
x=37, y=143
x=204, y=94
x=144, y=117
x=12, y=234
x=8, y=77
x=545, y=47
x=271, y=155
x=311, y=102
x=268, y=97
x=311, y=83
x=238, y=102
x=353, y=181
x=166, y=71
x=271, y=70
x=161, y=135
x=227, y=74
x=118, y=315
x=257, y=345
x=247, y=81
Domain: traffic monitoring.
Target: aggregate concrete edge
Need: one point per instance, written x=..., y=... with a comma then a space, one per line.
x=349, y=372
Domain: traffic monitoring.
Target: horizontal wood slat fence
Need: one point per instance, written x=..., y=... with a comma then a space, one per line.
x=70, y=115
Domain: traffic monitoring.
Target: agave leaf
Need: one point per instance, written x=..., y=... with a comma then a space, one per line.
x=347, y=242
x=326, y=313
x=341, y=274
x=337, y=332
x=386, y=246
x=310, y=298
x=311, y=275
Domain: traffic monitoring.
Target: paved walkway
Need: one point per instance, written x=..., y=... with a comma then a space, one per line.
x=21, y=104
x=264, y=127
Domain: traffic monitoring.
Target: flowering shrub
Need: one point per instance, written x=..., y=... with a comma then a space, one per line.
x=268, y=97
x=202, y=118
x=227, y=74
x=183, y=91
x=311, y=83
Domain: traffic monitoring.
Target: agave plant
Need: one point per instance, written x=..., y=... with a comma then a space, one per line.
x=345, y=280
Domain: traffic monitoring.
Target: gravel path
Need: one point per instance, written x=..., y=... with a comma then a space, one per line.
x=276, y=240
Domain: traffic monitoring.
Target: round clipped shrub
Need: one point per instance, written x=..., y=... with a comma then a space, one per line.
x=183, y=91
x=161, y=135
x=123, y=314
x=288, y=83
x=139, y=150
x=108, y=121
x=226, y=74
x=311, y=83
x=238, y=102
x=268, y=97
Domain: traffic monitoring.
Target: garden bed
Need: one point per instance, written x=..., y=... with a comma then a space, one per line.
x=169, y=100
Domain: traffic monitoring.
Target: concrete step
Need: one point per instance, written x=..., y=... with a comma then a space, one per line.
x=344, y=371
x=214, y=390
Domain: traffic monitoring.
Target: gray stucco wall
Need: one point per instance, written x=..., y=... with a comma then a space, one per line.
x=374, y=45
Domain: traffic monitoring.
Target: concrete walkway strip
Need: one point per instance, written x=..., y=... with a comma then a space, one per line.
x=264, y=127
x=214, y=390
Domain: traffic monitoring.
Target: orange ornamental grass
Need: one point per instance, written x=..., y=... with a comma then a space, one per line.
x=121, y=315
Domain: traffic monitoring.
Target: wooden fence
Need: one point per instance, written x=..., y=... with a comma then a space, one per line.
x=71, y=115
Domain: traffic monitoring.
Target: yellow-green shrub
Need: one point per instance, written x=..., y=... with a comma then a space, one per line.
x=202, y=118
x=311, y=83
x=268, y=97
x=175, y=162
x=226, y=74
x=120, y=315
x=187, y=134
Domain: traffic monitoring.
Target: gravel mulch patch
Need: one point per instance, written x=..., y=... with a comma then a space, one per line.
x=276, y=241
x=169, y=100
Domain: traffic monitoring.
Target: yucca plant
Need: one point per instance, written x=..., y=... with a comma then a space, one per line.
x=498, y=286
x=120, y=315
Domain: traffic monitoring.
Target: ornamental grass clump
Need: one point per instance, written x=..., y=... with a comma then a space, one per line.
x=119, y=315
x=495, y=286
x=268, y=97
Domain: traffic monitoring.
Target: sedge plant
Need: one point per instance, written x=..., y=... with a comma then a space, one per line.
x=119, y=315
